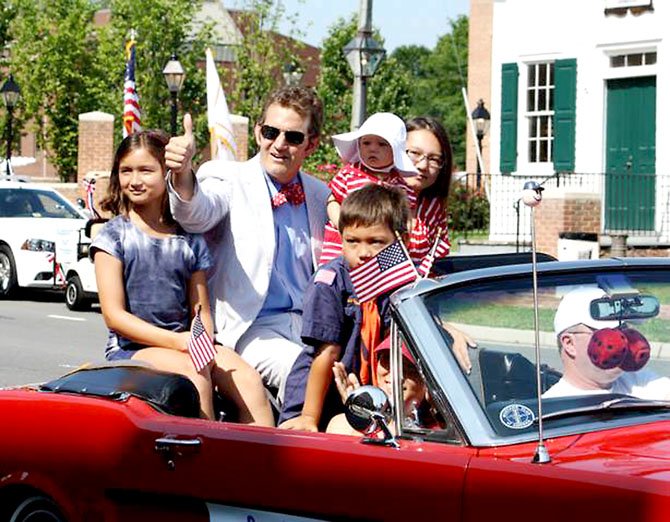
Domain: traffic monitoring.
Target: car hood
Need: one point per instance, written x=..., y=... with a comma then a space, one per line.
x=641, y=451
x=638, y=451
x=63, y=231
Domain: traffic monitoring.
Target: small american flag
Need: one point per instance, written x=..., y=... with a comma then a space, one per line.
x=200, y=345
x=131, y=100
x=89, y=187
x=59, y=278
x=388, y=270
x=440, y=248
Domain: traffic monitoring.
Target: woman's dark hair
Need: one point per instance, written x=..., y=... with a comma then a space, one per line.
x=154, y=142
x=439, y=189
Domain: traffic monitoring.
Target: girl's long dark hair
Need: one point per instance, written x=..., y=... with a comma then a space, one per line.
x=439, y=189
x=154, y=142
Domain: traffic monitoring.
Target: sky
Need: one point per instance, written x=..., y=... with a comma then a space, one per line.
x=401, y=22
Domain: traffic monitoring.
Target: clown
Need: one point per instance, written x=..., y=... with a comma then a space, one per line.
x=601, y=356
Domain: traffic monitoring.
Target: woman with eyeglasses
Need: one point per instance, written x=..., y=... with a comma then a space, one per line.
x=429, y=149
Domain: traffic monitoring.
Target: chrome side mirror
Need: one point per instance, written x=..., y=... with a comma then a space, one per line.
x=368, y=410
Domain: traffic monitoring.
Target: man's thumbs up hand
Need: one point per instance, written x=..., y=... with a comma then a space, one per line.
x=180, y=149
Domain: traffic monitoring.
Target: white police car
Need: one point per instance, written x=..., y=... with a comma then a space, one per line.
x=39, y=235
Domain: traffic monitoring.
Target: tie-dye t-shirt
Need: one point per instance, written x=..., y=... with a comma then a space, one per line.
x=156, y=272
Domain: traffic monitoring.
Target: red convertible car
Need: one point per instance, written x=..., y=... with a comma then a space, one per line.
x=124, y=444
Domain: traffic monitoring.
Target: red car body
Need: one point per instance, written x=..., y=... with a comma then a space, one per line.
x=97, y=460
x=105, y=459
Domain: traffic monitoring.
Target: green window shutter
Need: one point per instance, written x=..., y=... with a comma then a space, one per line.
x=508, y=117
x=565, y=103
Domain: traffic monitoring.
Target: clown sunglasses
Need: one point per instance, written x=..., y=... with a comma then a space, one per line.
x=292, y=137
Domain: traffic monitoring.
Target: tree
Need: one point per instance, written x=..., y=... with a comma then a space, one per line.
x=389, y=89
x=412, y=58
x=66, y=66
x=261, y=55
x=52, y=61
x=156, y=42
x=438, y=88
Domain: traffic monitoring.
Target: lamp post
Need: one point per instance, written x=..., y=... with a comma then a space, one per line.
x=364, y=55
x=10, y=94
x=482, y=120
x=292, y=73
x=174, y=77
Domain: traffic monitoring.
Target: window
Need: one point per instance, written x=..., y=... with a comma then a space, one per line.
x=540, y=112
x=633, y=59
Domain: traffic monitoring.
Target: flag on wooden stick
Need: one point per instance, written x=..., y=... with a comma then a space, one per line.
x=200, y=345
x=388, y=270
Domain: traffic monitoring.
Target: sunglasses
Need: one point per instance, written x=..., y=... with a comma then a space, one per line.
x=292, y=137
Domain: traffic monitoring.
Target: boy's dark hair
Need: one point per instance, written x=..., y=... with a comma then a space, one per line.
x=302, y=100
x=439, y=189
x=154, y=142
x=375, y=205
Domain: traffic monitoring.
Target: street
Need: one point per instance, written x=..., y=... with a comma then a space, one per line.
x=41, y=339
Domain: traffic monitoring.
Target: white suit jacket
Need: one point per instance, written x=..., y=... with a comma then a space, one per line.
x=231, y=204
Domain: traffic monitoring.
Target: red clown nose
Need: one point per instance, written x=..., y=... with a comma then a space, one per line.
x=639, y=351
x=608, y=348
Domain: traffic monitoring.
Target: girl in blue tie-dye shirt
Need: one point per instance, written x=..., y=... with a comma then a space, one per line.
x=151, y=279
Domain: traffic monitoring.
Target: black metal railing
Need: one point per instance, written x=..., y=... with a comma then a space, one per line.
x=632, y=204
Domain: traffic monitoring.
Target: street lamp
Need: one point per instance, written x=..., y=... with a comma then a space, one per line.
x=482, y=120
x=10, y=94
x=292, y=74
x=174, y=77
x=364, y=55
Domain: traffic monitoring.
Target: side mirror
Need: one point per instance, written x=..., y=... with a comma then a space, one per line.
x=368, y=410
x=81, y=203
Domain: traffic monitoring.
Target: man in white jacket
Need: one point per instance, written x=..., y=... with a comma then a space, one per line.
x=264, y=222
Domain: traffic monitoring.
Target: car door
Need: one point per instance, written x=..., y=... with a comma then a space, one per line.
x=253, y=472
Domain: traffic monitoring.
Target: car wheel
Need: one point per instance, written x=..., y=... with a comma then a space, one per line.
x=36, y=509
x=74, y=294
x=7, y=272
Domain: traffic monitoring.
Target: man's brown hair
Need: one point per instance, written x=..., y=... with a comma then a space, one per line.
x=375, y=205
x=302, y=100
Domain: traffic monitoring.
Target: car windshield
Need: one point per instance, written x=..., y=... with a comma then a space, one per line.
x=29, y=203
x=602, y=336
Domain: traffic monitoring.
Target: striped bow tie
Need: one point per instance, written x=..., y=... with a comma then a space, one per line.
x=293, y=194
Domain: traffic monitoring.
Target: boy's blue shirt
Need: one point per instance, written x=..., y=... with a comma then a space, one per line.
x=331, y=315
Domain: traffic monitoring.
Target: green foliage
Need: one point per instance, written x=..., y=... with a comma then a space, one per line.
x=438, y=83
x=261, y=55
x=389, y=90
x=412, y=58
x=53, y=61
x=155, y=45
x=468, y=208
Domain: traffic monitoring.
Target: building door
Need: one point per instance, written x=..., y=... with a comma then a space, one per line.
x=631, y=155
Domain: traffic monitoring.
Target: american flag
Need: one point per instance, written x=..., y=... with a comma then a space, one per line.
x=131, y=100
x=59, y=277
x=89, y=187
x=388, y=270
x=200, y=345
x=440, y=248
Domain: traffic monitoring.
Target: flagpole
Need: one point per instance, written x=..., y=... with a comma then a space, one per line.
x=404, y=249
x=432, y=251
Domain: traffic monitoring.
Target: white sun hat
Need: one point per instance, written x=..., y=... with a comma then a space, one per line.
x=385, y=125
x=575, y=308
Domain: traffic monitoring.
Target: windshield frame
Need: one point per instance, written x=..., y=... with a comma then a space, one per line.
x=453, y=390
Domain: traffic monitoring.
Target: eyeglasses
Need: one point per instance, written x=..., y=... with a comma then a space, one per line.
x=292, y=137
x=435, y=162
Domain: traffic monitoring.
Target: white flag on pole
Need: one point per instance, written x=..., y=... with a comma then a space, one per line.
x=221, y=138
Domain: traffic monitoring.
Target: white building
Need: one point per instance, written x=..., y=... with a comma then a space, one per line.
x=580, y=87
